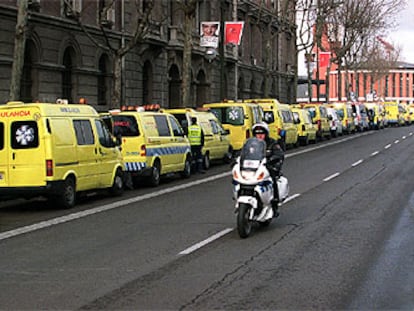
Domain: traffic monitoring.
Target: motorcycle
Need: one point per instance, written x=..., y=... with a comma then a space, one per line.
x=253, y=187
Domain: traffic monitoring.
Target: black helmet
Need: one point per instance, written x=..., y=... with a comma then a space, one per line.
x=260, y=128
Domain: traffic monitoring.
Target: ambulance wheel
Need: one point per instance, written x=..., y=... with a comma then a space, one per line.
x=118, y=185
x=155, y=177
x=206, y=161
x=67, y=197
x=187, y=168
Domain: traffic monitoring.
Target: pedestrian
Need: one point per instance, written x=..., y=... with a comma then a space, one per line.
x=196, y=137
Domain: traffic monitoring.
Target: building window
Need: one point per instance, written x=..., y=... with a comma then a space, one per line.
x=72, y=8
x=387, y=81
x=67, y=75
x=103, y=83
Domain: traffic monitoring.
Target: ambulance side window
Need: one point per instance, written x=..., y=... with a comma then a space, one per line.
x=214, y=127
x=105, y=138
x=177, y=130
x=84, y=133
x=24, y=135
x=1, y=136
x=162, y=126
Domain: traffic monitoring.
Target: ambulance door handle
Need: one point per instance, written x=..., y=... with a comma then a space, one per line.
x=14, y=156
x=102, y=153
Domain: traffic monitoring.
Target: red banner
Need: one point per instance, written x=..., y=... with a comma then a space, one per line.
x=233, y=32
x=324, y=58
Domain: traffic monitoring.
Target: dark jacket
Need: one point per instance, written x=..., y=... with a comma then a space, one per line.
x=274, y=154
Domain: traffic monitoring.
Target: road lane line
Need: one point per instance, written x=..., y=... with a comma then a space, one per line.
x=205, y=242
x=396, y=141
x=357, y=162
x=292, y=197
x=374, y=153
x=331, y=177
x=387, y=146
x=103, y=208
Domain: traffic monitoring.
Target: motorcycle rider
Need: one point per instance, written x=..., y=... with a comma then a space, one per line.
x=274, y=155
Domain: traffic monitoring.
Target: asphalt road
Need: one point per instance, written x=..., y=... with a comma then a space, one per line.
x=343, y=241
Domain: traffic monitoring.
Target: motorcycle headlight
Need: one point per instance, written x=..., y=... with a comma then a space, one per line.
x=248, y=174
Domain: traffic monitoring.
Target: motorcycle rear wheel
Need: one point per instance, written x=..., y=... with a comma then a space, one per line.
x=244, y=225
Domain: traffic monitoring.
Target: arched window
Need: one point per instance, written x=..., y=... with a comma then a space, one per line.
x=104, y=86
x=28, y=79
x=67, y=74
x=174, y=94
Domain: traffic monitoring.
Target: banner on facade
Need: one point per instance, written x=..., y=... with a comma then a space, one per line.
x=324, y=59
x=233, y=32
x=209, y=34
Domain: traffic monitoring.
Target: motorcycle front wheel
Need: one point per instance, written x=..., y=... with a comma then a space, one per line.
x=244, y=225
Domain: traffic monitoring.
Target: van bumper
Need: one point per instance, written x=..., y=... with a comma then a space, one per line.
x=30, y=192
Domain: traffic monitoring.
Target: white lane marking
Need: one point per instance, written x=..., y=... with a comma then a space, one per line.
x=404, y=137
x=292, y=197
x=66, y=218
x=70, y=217
x=222, y=233
x=410, y=134
x=374, y=153
x=205, y=242
x=331, y=177
x=357, y=162
x=396, y=141
x=337, y=141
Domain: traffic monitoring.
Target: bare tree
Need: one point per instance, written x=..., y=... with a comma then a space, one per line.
x=354, y=23
x=19, y=50
x=118, y=51
x=189, y=8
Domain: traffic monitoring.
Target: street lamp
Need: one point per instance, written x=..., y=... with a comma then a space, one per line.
x=211, y=53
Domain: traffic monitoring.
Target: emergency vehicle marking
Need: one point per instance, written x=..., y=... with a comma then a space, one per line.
x=135, y=166
x=70, y=110
x=12, y=114
x=167, y=150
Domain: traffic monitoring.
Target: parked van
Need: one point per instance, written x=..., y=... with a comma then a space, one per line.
x=153, y=144
x=306, y=129
x=319, y=117
x=334, y=122
x=238, y=118
x=393, y=114
x=280, y=119
x=216, y=139
x=56, y=151
x=344, y=112
x=361, y=116
x=375, y=115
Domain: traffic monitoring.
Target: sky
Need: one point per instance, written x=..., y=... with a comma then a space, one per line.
x=403, y=36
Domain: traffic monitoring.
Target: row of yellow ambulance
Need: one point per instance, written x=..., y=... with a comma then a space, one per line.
x=62, y=150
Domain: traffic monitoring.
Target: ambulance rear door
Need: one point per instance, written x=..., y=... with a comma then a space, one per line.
x=24, y=149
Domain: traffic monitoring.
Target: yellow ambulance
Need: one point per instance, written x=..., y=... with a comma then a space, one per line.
x=238, y=118
x=153, y=144
x=280, y=119
x=217, y=145
x=56, y=151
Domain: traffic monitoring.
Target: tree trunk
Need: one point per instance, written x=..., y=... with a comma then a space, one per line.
x=187, y=51
x=117, y=83
x=19, y=49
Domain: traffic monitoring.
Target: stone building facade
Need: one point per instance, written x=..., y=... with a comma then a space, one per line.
x=64, y=59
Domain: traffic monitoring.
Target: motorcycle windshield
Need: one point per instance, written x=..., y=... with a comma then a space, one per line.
x=252, y=153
